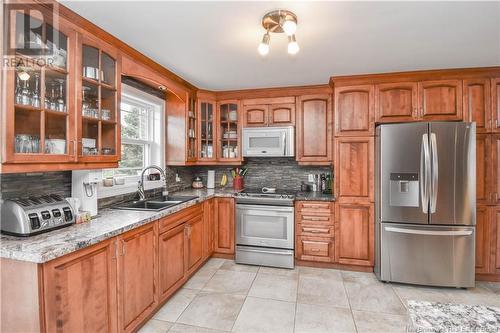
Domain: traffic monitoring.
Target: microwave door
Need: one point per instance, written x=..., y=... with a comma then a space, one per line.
x=265, y=143
x=403, y=168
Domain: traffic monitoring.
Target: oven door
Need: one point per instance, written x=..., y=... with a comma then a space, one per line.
x=267, y=141
x=268, y=226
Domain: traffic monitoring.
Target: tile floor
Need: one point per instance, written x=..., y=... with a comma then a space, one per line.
x=226, y=297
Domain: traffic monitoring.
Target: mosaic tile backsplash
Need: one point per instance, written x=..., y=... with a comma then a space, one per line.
x=282, y=173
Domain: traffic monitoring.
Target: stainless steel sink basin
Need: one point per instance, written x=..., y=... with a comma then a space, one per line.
x=154, y=204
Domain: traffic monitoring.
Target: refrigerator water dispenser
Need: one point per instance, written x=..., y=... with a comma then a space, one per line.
x=404, y=190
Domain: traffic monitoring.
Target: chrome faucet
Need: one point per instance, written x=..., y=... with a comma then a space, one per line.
x=140, y=187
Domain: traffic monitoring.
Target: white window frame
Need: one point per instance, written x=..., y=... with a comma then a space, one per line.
x=155, y=154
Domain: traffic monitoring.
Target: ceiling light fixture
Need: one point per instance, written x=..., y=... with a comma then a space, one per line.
x=264, y=45
x=279, y=21
x=293, y=46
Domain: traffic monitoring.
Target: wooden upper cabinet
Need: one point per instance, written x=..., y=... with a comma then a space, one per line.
x=354, y=114
x=207, y=130
x=483, y=169
x=281, y=114
x=224, y=225
x=255, y=115
x=39, y=110
x=314, y=129
x=440, y=100
x=98, y=100
x=495, y=98
x=137, y=276
x=194, y=233
x=396, y=102
x=228, y=131
x=80, y=291
x=483, y=240
x=354, y=162
x=171, y=260
x=354, y=234
x=477, y=103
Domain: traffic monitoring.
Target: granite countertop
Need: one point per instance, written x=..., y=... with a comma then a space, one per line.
x=109, y=223
x=445, y=317
x=314, y=196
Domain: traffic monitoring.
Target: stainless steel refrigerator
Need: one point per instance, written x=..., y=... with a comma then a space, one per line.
x=425, y=201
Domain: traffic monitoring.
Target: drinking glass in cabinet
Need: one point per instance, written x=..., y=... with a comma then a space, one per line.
x=24, y=94
x=60, y=102
x=89, y=102
x=27, y=144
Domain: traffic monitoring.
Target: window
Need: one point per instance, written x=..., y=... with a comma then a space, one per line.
x=141, y=127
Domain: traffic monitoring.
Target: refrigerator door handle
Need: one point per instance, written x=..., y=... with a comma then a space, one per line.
x=430, y=232
x=435, y=173
x=424, y=170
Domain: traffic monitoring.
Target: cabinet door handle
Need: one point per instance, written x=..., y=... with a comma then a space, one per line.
x=314, y=250
x=123, y=247
x=310, y=218
x=496, y=197
x=315, y=231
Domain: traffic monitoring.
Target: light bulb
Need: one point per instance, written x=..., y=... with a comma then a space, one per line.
x=24, y=76
x=293, y=46
x=289, y=27
x=264, y=45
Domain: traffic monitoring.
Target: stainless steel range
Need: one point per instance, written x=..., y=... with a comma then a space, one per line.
x=265, y=228
x=35, y=215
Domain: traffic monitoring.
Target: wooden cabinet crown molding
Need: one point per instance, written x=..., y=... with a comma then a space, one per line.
x=415, y=76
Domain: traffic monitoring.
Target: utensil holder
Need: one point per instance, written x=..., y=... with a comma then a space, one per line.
x=238, y=183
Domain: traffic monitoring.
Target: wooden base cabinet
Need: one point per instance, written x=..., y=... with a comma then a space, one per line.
x=79, y=291
x=314, y=230
x=171, y=260
x=137, y=276
x=496, y=227
x=194, y=237
x=209, y=228
x=484, y=239
x=224, y=226
x=354, y=233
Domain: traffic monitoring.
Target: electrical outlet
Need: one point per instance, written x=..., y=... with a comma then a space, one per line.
x=310, y=177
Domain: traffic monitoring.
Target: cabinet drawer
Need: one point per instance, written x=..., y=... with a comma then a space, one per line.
x=315, y=207
x=314, y=249
x=182, y=216
x=308, y=218
x=315, y=230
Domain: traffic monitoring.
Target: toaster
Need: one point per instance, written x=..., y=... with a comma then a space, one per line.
x=35, y=215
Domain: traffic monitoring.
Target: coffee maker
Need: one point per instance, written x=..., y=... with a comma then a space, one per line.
x=84, y=187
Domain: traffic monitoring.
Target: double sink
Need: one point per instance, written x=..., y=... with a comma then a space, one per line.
x=155, y=204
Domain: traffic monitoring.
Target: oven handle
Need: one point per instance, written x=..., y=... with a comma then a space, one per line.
x=266, y=208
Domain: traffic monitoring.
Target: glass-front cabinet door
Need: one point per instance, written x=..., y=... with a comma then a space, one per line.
x=192, y=129
x=39, y=96
x=98, y=102
x=229, y=128
x=207, y=119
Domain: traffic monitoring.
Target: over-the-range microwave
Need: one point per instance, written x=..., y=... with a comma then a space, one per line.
x=268, y=141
